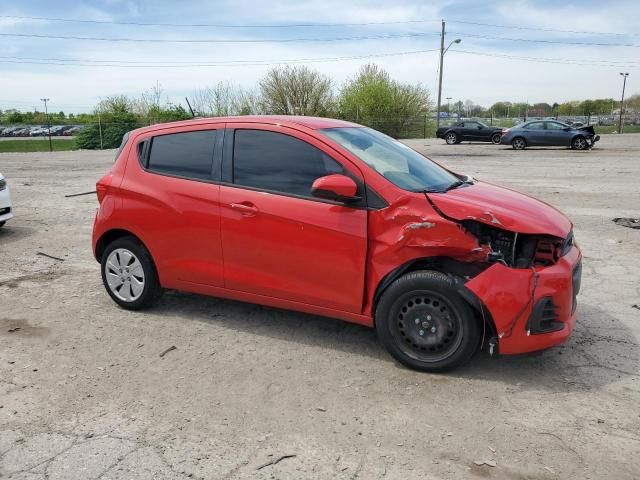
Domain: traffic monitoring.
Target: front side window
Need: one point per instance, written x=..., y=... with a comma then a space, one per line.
x=396, y=162
x=277, y=162
x=555, y=126
x=187, y=154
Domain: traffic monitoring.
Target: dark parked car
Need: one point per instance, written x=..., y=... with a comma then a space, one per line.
x=469, y=130
x=549, y=133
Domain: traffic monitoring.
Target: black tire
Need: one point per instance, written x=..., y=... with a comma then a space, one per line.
x=451, y=138
x=2, y=224
x=518, y=143
x=579, y=143
x=495, y=138
x=444, y=334
x=151, y=290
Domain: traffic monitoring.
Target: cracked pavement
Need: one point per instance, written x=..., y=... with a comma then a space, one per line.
x=84, y=393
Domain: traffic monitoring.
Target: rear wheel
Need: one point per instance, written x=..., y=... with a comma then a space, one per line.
x=518, y=143
x=495, y=138
x=579, y=143
x=425, y=324
x=451, y=138
x=129, y=274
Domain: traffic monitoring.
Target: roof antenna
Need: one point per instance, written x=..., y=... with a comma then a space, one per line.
x=190, y=109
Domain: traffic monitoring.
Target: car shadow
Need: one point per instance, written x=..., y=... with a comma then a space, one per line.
x=12, y=233
x=601, y=350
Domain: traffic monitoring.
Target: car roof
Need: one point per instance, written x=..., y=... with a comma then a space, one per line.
x=313, y=123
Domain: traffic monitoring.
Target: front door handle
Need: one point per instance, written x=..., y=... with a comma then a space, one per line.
x=247, y=209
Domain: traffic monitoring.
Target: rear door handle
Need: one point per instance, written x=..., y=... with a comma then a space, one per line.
x=247, y=209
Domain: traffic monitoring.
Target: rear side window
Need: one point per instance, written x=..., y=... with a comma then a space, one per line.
x=278, y=162
x=188, y=154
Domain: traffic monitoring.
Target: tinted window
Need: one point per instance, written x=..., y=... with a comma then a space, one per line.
x=471, y=124
x=273, y=161
x=188, y=154
x=555, y=126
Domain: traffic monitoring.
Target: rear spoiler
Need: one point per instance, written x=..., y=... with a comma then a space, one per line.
x=587, y=128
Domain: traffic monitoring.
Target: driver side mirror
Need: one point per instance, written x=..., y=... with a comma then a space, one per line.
x=335, y=187
x=567, y=129
x=479, y=127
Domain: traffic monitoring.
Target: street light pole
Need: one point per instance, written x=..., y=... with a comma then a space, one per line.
x=46, y=112
x=442, y=52
x=449, y=105
x=624, y=84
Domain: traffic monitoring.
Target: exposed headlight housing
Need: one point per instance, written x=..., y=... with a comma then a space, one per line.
x=3, y=184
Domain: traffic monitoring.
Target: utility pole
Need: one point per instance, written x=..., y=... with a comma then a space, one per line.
x=46, y=112
x=624, y=84
x=442, y=52
x=440, y=81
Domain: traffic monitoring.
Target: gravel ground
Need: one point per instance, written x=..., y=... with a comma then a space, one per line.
x=84, y=393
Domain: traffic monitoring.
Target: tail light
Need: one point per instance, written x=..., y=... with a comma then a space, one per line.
x=102, y=186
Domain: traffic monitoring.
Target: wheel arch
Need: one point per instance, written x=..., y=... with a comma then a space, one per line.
x=456, y=271
x=111, y=235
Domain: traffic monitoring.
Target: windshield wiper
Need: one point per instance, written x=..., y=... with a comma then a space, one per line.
x=458, y=183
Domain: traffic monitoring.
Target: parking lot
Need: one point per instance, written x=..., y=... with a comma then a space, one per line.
x=254, y=392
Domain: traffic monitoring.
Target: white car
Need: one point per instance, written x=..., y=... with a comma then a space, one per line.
x=5, y=201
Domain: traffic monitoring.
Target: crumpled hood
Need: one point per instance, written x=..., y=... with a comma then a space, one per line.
x=502, y=208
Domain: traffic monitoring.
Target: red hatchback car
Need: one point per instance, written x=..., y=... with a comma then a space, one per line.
x=331, y=218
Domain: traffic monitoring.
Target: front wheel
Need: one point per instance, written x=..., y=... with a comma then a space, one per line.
x=129, y=274
x=495, y=138
x=425, y=324
x=579, y=143
x=518, y=143
x=451, y=138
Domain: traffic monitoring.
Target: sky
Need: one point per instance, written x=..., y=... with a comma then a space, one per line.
x=517, y=50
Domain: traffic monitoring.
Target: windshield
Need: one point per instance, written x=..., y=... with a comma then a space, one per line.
x=396, y=162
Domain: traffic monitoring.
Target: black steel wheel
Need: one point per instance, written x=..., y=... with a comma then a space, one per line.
x=425, y=324
x=495, y=138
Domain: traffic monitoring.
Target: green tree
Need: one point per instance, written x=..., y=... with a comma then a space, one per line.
x=296, y=90
x=116, y=119
x=372, y=98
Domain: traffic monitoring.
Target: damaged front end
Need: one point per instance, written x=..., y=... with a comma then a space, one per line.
x=513, y=257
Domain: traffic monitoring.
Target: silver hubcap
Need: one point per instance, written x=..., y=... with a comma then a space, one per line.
x=124, y=275
x=496, y=139
x=518, y=144
x=451, y=138
x=580, y=143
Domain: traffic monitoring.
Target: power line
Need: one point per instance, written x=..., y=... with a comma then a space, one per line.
x=216, y=25
x=562, y=61
x=219, y=40
x=539, y=29
x=232, y=63
x=535, y=40
x=299, y=25
x=317, y=39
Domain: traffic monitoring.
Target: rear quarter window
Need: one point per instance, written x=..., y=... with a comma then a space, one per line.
x=185, y=154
